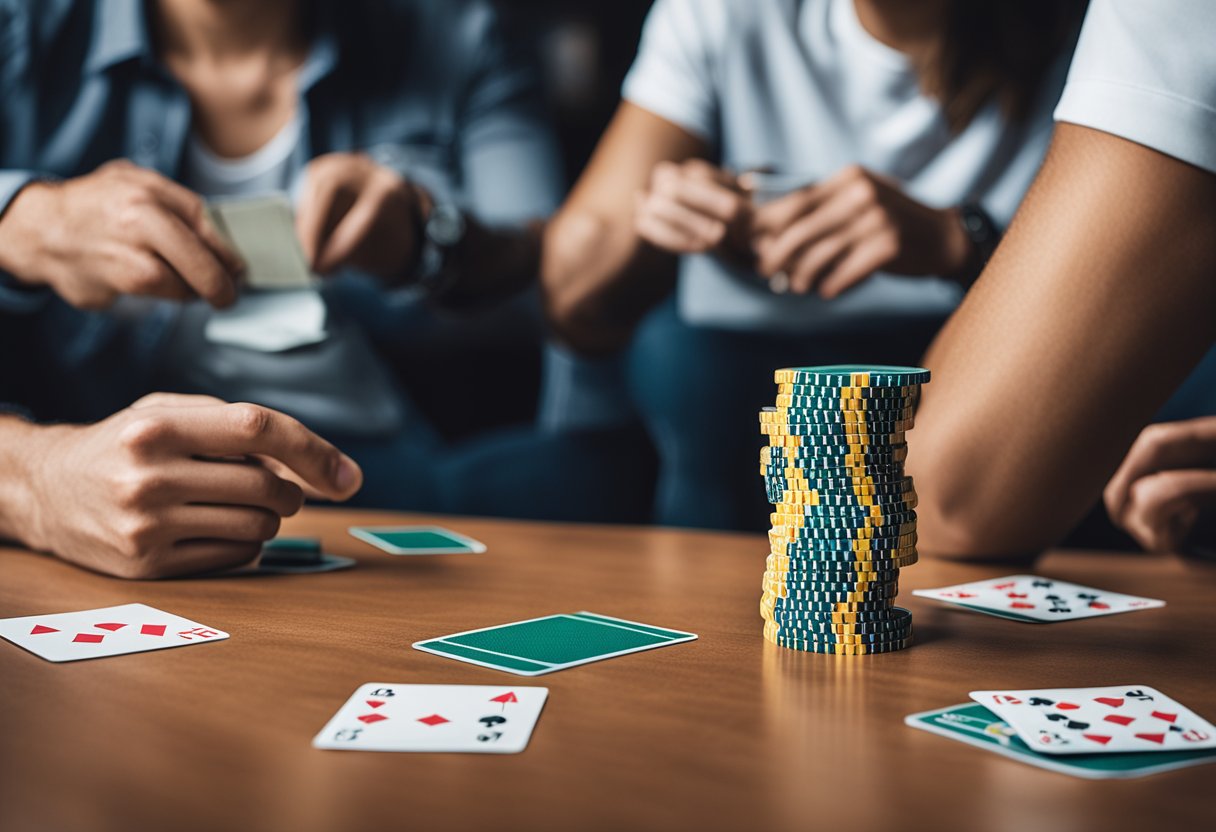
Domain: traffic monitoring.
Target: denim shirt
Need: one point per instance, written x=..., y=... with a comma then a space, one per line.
x=431, y=89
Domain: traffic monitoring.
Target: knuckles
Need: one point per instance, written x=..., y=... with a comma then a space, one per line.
x=248, y=422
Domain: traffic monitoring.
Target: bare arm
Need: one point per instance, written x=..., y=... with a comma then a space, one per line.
x=598, y=274
x=1098, y=303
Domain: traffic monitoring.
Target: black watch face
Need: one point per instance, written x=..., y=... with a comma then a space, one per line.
x=446, y=226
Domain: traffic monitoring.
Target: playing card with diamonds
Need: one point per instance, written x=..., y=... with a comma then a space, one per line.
x=383, y=716
x=109, y=631
x=1036, y=599
x=1099, y=720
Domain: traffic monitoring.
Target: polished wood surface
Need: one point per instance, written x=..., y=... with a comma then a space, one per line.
x=728, y=732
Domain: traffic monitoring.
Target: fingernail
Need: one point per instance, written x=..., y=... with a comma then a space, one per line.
x=347, y=474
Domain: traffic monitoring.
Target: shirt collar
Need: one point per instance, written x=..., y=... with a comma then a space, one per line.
x=120, y=33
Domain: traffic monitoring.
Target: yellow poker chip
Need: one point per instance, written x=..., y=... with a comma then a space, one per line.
x=844, y=402
x=842, y=430
x=845, y=545
x=879, y=564
x=774, y=634
x=801, y=416
x=848, y=393
x=853, y=441
x=879, y=502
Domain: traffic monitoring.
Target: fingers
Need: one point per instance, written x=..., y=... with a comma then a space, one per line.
x=837, y=210
x=774, y=217
x=1159, y=447
x=323, y=201
x=195, y=556
x=866, y=256
x=701, y=188
x=349, y=234
x=234, y=523
x=192, y=260
x=188, y=207
x=670, y=225
x=235, y=430
x=240, y=483
x=1163, y=508
x=175, y=400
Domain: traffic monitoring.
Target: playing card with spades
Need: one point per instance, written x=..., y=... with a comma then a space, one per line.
x=1035, y=599
x=1099, y=720
x=473, y=718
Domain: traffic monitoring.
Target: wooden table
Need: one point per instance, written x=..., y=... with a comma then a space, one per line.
x=727, y=732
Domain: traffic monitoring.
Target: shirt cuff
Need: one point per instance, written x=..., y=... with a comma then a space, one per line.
x=14, y=295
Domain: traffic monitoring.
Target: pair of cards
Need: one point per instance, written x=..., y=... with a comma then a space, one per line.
x=1097, y=733
x=281, y=309
x=1035, y=599
x=109, y=631
x=484, y=719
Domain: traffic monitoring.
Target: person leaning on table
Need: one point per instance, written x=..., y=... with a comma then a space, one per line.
x=1095, y=307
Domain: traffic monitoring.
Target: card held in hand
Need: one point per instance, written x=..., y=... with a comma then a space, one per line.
x=480, y=719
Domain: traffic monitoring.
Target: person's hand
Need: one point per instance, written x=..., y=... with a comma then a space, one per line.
x=693, y=207
x=1165, y=490
x=354, y=212
x=121, y=230
x=175, y=485
x=832, y=235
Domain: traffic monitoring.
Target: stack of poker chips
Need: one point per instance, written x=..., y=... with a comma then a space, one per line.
x=844, y=522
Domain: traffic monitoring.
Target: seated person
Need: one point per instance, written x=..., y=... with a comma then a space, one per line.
x=905, y=136
x=1096, y=306
x=385, y=122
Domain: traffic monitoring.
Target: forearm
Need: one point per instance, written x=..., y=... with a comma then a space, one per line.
x=19, y=444
x=599, y=279
x=1095, y=307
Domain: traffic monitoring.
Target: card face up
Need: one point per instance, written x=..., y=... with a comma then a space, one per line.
x=1104, y=720
x=463, y=718
x=976, y=725
x=109, y=631
x=554, y=642
x=417, y=540
x=1034, y=599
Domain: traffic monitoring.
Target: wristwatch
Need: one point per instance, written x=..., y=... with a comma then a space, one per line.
x=983, y=233
x=442, y=231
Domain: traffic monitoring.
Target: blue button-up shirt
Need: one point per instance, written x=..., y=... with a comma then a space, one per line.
x=432, y=89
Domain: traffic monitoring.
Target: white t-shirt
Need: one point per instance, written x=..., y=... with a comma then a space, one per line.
x=801, y=86
x=1145, y=70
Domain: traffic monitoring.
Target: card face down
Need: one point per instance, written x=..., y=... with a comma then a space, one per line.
x=460, y=718
x=1036, y=599
x=109, y=631
x=976, y=725
x=1104, y=720
x=417, y=540
x=554, y=642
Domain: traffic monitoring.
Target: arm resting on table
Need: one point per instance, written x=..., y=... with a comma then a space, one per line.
x=1096, y=306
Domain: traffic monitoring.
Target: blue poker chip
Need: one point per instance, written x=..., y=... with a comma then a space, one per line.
x=853, y=375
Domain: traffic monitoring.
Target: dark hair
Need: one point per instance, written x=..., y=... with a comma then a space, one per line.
x=1000, y=49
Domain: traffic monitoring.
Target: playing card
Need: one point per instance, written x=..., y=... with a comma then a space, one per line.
x=262, y=230
x=1099, y=720
x=475, y=718
x=1035, y=599
x=554, y=642
x=109, y=631
x=270, y=321
x=417, y=540
x=976, y=725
